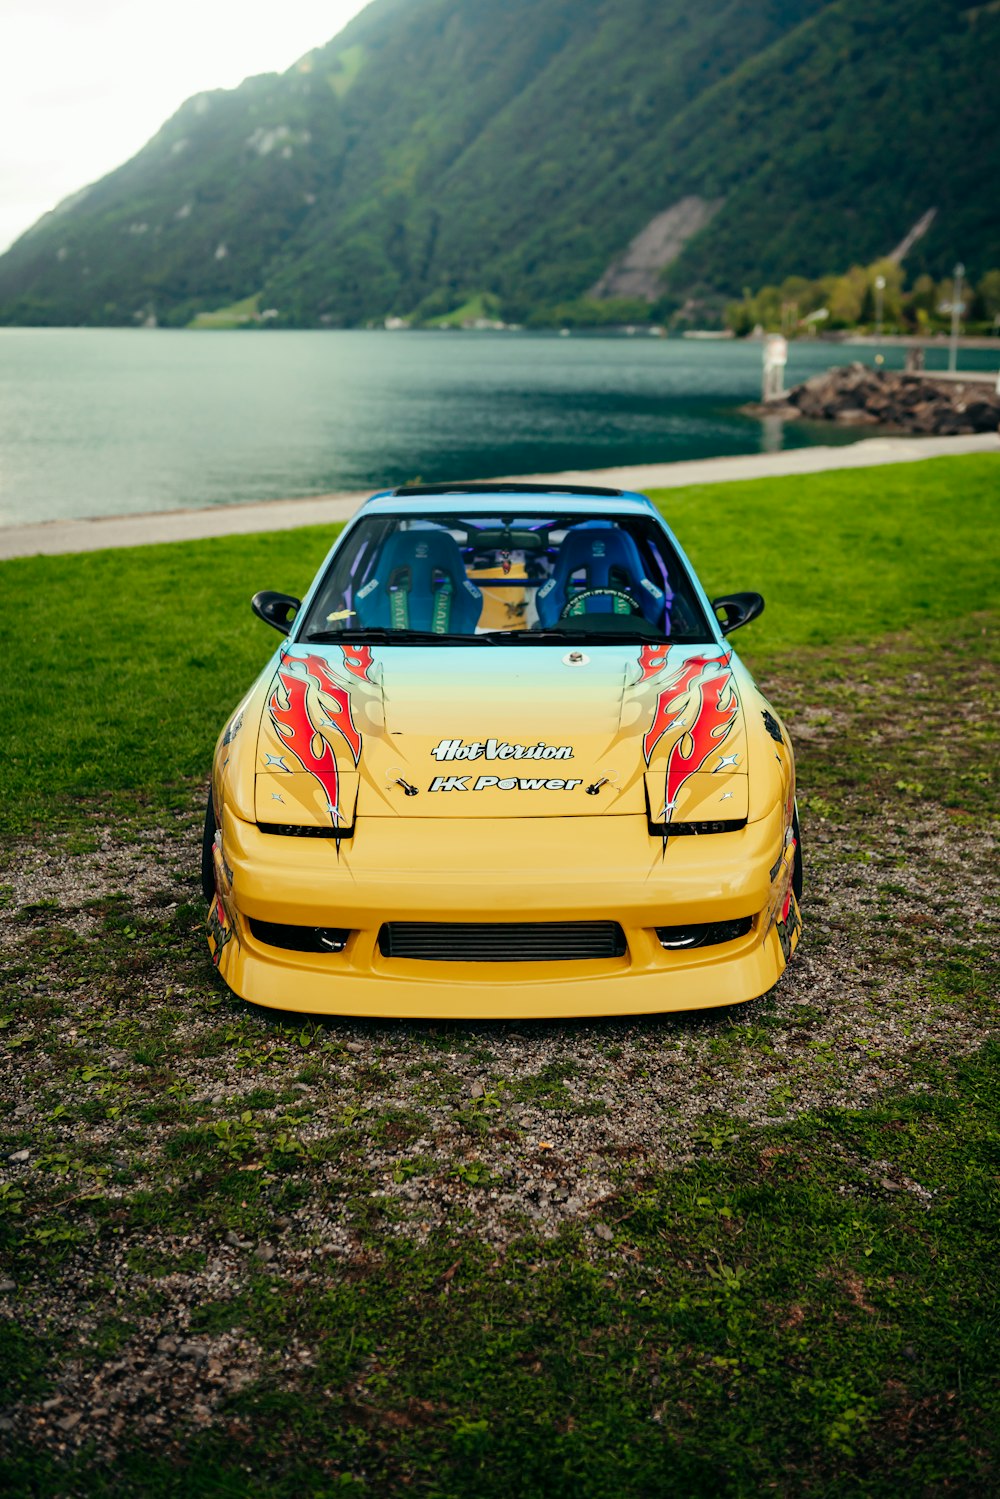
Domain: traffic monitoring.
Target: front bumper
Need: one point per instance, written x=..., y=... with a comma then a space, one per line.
x=521, y=870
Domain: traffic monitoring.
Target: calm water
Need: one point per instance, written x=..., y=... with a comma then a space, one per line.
x=112, y=422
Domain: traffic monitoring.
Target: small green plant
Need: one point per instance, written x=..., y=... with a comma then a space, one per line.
x=473, y=1173
x=11, y=1200
x=234, y=1137
x=729, y=1278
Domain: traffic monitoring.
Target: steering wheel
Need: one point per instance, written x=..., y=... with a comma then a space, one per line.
x=618, y=595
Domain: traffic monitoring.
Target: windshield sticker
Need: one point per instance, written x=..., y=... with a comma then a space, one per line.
x=505, y=783
x=499, y=749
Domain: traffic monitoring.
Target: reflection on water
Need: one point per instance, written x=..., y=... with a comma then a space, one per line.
x=772, y=433
x=114, y=421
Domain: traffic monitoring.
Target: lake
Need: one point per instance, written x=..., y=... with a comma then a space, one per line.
x=120, y=421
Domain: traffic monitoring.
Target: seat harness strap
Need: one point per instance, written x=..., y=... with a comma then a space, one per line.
x=399, y=599
x=441, y=617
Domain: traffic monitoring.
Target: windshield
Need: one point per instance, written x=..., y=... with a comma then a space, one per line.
x=515, y=578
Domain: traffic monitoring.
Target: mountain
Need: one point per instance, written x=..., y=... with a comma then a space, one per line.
x=542, y=151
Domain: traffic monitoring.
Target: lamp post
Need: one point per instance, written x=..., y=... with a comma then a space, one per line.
x=956, y=305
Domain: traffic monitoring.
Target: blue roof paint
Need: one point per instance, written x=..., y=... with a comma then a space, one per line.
x=424, y=505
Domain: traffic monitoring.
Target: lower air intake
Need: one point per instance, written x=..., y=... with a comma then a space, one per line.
x=502, y=942
x=709, y=934
x=300, y=938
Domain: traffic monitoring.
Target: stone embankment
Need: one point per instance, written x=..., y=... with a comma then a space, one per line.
x=856, y=394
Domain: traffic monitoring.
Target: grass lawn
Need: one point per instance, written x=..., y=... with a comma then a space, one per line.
x=129, y=661
x=725, y=1254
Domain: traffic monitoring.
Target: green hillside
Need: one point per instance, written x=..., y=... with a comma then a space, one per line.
x=439, y=150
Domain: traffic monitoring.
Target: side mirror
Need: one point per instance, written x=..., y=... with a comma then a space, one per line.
x=276, y=609
x=737, y=609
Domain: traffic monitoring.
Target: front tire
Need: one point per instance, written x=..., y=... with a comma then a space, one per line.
x=207, y=848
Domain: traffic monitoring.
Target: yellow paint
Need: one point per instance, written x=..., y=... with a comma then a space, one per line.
x=539, y=849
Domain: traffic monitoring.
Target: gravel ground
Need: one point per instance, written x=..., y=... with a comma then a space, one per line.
x=129, y=1075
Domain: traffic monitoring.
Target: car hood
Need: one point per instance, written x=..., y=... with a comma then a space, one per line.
x=500, y=732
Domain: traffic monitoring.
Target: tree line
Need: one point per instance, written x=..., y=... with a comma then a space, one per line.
x=868, y=298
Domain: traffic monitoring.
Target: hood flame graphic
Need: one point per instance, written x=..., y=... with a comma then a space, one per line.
x=708, y=692
x=652, y=658
x=358, y=661
x=334, y=697
x=716, y=713
x=289, y=707
x=679, y=684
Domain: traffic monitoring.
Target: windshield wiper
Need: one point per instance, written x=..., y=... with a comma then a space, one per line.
x=573, y=637
x=382, y=635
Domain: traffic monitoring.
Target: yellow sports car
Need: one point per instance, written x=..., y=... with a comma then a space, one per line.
x=503, y=764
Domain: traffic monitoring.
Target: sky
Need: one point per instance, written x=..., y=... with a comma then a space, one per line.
x=84, y=84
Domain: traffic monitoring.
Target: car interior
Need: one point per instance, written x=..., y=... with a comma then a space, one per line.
x=508, y=575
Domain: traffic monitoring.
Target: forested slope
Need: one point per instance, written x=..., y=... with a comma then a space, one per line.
x=437, y=148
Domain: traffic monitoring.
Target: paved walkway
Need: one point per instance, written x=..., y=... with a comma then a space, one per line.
x=51, y=537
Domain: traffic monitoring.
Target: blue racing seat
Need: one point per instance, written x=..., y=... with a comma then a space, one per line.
x=598, y=554
x=420, y=583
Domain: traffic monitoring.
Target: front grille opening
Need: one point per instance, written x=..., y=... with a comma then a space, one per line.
x=295, y=830
x=692, y=829
x=300, y=938
x=707, y=934
x=501, y=942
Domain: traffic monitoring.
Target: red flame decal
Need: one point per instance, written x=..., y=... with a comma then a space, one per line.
x=289, y=709
x=679, y=684
x=788, y=897
x=337, y=699
x=358, y=661
x=293, y=723
x=652, y=658
x=717, y=709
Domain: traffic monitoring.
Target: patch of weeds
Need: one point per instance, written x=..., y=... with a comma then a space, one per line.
x=25, y=1362
x=38, y=912
x=235, y=1138
x=473, y=1174
x=156, y=1263
x=396, y=1127
x=260, y=1098
x=715, y=1134
x=191, y=1146
x=547, y=1088
x=419, y=1165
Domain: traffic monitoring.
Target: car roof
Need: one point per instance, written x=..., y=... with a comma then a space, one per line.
x=423, y=500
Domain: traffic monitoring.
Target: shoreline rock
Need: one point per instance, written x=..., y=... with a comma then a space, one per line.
x=857, y=395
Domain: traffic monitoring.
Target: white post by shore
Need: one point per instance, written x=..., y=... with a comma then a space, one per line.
x=775, y=359
x=956, y=313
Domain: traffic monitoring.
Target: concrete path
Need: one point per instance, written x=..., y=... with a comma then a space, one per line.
x=51, y=537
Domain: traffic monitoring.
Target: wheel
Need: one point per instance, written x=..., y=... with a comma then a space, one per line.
x=207, y=846
x=797, y=866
